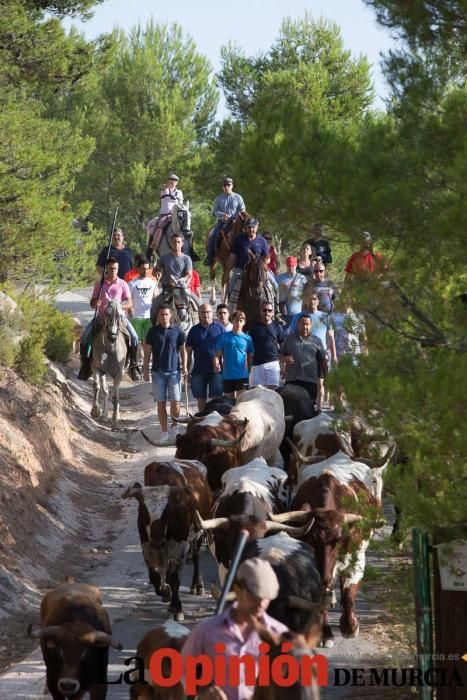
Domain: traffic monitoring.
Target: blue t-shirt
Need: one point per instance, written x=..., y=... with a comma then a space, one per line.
x=202, y=341
x=266, y=340
x=242, y=244
x=165, y=343
x=320, y=324
x=235, y=347
x=124, y=257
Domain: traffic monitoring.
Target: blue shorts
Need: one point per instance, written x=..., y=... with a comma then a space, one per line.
x=201, y=382
x=166, y=386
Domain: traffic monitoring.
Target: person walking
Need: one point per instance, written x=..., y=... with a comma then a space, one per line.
x=320, y=245
x=222, y=311
x=291, y=284
x=200, y=344
x=267, y=336
x=118, y=250
x=233, y=356
x=255, y=585
x=143, y=289
x=166, y=342
x=304, y=358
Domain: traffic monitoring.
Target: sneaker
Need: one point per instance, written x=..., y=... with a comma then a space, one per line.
x=164, y=439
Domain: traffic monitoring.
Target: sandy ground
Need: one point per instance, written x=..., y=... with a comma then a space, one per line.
x=94, y=537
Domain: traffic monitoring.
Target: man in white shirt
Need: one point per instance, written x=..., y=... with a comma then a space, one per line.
x=144, y=289
x=222, y=312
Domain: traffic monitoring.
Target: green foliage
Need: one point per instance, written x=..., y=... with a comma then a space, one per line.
x=149, y=112
x=40, y=151
x=7, y=347
x=30, y=360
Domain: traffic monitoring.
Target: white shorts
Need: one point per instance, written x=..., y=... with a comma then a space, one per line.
x=266, y=375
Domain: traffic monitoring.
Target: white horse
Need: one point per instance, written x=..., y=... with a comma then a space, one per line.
x=109, y=350
x=179, y=221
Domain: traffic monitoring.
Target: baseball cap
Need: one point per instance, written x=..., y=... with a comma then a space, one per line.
x=252, y=221
x=259, y=578
x=366, y=236
x=291, y=260
x=172, y=176
x=228, y=181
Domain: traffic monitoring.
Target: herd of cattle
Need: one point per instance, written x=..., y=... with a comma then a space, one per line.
x=312, y=520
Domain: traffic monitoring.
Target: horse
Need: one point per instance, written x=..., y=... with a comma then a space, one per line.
x=179, y=221
x=184, y=307
x=255, y=289
x=109, y=351
x=226, y=237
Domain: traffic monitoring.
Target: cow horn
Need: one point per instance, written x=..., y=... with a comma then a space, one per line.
x=243, y=422
x=290, y=529
x=185, y=421
x=288, y=418
x=350, y=518
x=148, y=439
x=100, y=639
x=45, y=632
x=297, y=602
x=210, y=524
x=300, y=516
x=304, y=459
x=132, y=491
x=227, y=443
x=344, y=445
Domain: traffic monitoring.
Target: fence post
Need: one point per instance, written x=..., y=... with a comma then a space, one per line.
x=423, y=607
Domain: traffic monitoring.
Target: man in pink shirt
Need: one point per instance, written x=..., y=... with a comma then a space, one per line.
x=113, y=289
x=255, y=586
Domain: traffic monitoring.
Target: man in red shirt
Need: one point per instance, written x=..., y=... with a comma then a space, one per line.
x=274, y=262
x=365, y=261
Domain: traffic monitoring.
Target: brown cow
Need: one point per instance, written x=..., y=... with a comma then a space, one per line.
x=75, y=637
x=325, y=490
x=167, y=503
x=170, y=635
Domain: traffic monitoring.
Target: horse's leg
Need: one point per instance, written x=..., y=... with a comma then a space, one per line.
x=95, y=410
x=105, y=393
x=116, y=402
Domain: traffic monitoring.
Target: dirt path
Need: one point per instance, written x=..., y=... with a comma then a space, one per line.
x=104, y=550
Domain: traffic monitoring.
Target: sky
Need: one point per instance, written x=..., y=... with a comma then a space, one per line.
x=251, y=24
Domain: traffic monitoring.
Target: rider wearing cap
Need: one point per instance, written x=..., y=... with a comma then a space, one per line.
x=226, y=208
x=170, y=196
x=244, y=246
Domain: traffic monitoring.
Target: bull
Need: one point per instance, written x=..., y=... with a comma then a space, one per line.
x=341, y=532
x=172, y=493
x=75, y=636
x=170, y=635
x=297, y=407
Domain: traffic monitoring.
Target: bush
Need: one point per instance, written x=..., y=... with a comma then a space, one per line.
x=7, y=347
x=30, y=360
x=59, y=335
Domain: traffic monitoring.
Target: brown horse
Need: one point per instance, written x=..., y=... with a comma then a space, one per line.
x=225, y=240
x=255, y=289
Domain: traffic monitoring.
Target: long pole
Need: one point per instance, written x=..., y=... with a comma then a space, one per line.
x=88, y=349
x=242, y=540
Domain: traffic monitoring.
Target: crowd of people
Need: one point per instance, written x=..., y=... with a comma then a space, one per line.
x=303, y=332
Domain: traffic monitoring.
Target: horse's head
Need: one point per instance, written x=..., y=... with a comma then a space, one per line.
x=256, y=275
x=112, y=316
x=180, y=301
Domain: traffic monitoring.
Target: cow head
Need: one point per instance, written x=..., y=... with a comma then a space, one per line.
x=165, y=512
x=217, y=447
x=70, y=650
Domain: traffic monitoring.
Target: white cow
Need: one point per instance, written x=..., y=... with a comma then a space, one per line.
x=264, y=410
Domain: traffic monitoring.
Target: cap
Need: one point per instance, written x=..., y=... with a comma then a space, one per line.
x=259, y=578
x=291, y=260
x=172, y=176
x=366, y=236
x=252, y=221
x=228, y=181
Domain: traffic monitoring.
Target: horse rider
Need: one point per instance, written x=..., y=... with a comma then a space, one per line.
x=118, y=250
x=176, y=269
x=244, y=246
x=113, y=289
x=170, y=196
x=227, y=206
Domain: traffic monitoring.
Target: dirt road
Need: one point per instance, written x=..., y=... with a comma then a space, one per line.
x=108, y=552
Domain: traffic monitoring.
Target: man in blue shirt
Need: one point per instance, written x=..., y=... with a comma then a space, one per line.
x=227, y=206
x=118, y=250
x=166, y=342
x=201, y=343
x=244, y=246
x=267, y=336
x=235, y=349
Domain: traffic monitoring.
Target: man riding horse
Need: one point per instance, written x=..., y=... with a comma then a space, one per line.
x=112, y=289
x=176, y=269
x=226, y=208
